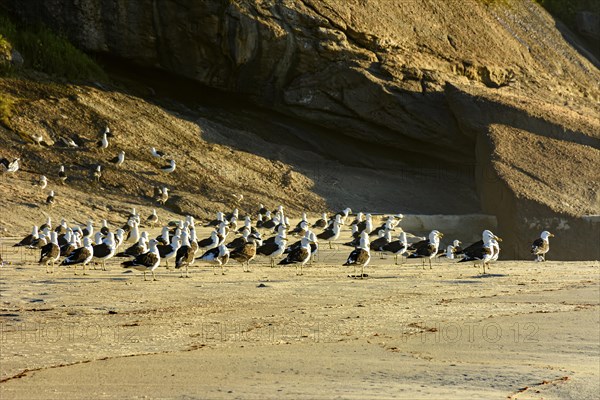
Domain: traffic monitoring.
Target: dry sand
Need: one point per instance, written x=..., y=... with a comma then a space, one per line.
x=526, y=330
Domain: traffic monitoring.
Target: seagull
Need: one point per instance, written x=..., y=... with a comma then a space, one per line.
x=273, y=249
x=427, y=248
x=98, y=173
x=156, y=153
x=105, y=250
x=135, y=249
x=331, y=234
x=104, y=229
x=71, y=246
x=217, y=256
x=384, y=239
x=245, y=253
x=82, y=255
x=541, y=246
x=103, y=143
x=36, y=138
x=152, y=220
x=237, y=198
x=168, y=168
x=147, y=261
x=344, y=214
x=322, y=222
x=482, y=250
x=185, y=254
x=88, y=231
x=360, y=256
x=451, y=250
x=9, y=167
x=168, y=251
x=162, y=196
x=50, y=252
x=42, y=182
x=235, y=243
x=69, y=142
x=118, y=159
x=62, y=175
x=299, y=256
x=50, y=199
x=396, y=247
x=47, y=224
x=164, y=237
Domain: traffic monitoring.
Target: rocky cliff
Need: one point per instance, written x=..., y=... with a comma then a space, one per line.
x=496, y=92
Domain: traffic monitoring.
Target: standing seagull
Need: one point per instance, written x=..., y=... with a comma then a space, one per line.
x=217, y=256
x=105, y=250
x=273, y=249
x=482, y=250
x=98, y=173
x=185, y=254
x=103, y=143
x=50, y=252
x=299, y=256
x=50, y=199
x=541, y=246
x=168, y=168
x=28, y=240
x=331, y=234
x=426, y=248
x=244, y=254
x=118, y=159
x=360, y=256
x=152, y=220
x=396, y=247
x=156, y=153
x=82, y=255
x=148, y=261
x=162, y=195
x=41, y=183
x=322, y=222
x=62, y=176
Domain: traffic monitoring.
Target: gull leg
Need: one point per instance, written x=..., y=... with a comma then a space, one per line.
x=154, y=276
x=145, y=276
x=430, y=263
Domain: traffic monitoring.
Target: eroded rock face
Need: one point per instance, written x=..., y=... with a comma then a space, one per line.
x=375, y=75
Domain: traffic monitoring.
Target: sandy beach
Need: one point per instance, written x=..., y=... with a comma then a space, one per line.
x=524, y=330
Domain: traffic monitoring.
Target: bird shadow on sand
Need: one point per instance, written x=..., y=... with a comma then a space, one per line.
x=149, y=173
x=488, y=276
x=462, y=282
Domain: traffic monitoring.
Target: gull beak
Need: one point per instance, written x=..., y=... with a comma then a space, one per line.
x=498, y=239
x=440, y=234
x=551, y=235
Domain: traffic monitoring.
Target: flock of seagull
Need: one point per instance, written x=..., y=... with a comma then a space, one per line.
x=179, y=244
x=161, y=194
